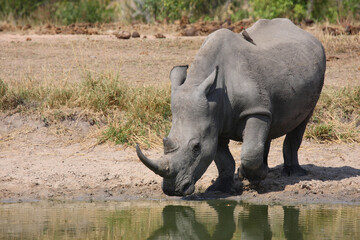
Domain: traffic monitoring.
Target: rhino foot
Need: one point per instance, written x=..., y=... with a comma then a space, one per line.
x=294, y=170
x=254, y=176
x=224, y=185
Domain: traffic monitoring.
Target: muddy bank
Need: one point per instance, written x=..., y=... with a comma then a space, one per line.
x=38, y=163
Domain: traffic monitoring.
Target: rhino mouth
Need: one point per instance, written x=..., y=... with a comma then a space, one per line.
x=184, y=189
x=187, y=189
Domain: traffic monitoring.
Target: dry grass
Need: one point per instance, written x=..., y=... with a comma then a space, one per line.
x=337, y=116
x=141, y=114
x=336, y=44
x=133, y=114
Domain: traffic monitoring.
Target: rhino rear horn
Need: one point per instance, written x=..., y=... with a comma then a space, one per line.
x=169, y=145
x=178, y=76
x=209, y=84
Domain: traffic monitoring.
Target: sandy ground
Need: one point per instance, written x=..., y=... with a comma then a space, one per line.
x=38, y=161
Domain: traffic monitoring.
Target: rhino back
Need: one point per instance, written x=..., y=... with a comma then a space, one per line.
x=291, y=67
x=281, y=75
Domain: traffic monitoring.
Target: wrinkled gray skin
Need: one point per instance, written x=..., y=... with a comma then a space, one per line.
x=246, y=91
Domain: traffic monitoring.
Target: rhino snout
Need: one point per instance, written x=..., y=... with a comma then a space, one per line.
x=170, y=188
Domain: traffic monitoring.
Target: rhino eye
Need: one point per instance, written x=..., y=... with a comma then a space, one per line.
x=196, y=149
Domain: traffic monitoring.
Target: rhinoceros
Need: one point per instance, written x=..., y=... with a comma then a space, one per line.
x=252, y=88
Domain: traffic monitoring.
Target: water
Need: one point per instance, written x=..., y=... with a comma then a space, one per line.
x=213, y=219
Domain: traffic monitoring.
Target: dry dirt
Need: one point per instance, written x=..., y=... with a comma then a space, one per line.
x=64, y=161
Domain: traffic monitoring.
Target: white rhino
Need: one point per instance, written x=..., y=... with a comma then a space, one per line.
x=251, y=87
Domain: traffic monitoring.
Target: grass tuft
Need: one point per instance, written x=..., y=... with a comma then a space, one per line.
x=136, y=114
x=336, y=116
x=146, y=120
x=8, y=99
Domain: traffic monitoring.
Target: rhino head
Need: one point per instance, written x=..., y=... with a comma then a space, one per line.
x=191, y=144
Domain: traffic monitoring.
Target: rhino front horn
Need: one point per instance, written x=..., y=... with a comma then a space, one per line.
x=160, y=167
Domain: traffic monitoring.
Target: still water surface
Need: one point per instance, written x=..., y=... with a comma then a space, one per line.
x=213, y=219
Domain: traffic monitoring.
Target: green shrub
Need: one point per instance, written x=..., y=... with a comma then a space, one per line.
x=298, y=10
x=152, y=10
x=19, y=8
x=90, y=11
x=333, y=10
x=278, y=8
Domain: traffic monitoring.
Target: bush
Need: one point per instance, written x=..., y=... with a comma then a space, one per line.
x=90, y=11
x=62, y=11
x=152, y=10
x=71, y=11
x=296, y=10
x=19, y=8
x=335, y=10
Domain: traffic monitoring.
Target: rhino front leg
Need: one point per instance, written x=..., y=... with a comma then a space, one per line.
x=255, y=148
x=226, y=167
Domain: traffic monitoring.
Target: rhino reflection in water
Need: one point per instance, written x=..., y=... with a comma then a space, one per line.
x=180, y=223
x=251, y=87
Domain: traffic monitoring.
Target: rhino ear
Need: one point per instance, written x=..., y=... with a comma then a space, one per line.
x=178, y=75
x=209, y=84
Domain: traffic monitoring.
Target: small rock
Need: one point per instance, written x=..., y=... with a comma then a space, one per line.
x=305, y=186
x=213, y=29
x=189, y=32
x=352, y=30
x=145, y=36
x=160, y=35
x=47, y=26
x=308, y=22
x=330, y=58
x=92, y=122
x=135, y=35
x=28, y=39
x=123, y=35
x=332, y=31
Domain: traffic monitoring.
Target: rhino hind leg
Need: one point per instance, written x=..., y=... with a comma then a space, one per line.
x=291, y=146
x=225, y=164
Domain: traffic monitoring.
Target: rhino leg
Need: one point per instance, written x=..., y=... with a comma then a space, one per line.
x=266, y=151
x=255, y=149
x=226, y=167
x=291, y=146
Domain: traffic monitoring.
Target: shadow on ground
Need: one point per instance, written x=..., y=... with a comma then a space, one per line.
x=276, y=181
